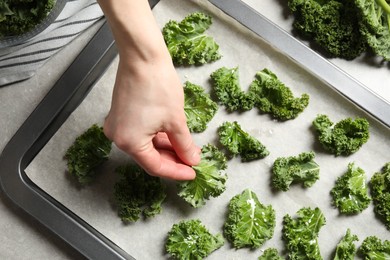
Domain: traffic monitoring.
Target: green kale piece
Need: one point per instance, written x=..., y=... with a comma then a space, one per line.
x=210, y=178
x=274, y=97
x=249, y=223
x=190, y=239
x=270, y=254
x=137, y=192
x=380, y=192
x=228, y=91
x=301, y=168
x=343, y=138
x=239, y=142
x=20, y=16
x=350, y=193
x=332, y=24
x=88, y=151
x=301, y=233
x=374, y=17
x=198, y=107
x=373, y=248
x=187, y=43
x=346, y=248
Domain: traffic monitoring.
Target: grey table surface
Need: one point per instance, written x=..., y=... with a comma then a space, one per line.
x=21, y=237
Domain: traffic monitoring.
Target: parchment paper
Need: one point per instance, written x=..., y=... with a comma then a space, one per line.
x=239, y=47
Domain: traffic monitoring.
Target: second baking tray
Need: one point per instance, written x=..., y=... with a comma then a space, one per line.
x=86, y=218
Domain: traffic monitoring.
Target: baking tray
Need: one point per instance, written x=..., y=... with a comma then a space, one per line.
x=75, y=85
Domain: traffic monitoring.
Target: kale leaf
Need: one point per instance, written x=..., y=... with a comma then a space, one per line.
x=301, y=233
x=380, y=192
x=18, y=17
x=210, y=178
x=239, y=142
x=343, y=138
x=88, y=151
x=374, y=17
x=374, y=249
x=332, y=24
x=346, y=249
x=249, y=223
x=187, y=42
x=190, y=239
x=270, y=254
x=273, y=97
x=228, y=91
x=350, y=193
x=198, y=107
x=137, y=192
x=301, y=168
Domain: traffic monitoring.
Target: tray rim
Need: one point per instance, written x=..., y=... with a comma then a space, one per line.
x=42, y=123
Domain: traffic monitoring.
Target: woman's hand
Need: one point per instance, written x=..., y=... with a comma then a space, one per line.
x=147, y=118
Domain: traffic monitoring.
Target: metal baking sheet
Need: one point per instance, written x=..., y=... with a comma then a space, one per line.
x=249, y=41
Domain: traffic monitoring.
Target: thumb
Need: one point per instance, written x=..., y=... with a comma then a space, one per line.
x=182, y=143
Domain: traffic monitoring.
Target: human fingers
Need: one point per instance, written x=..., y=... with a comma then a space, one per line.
x=161, y=141
x=181, y=140
x=164, y=164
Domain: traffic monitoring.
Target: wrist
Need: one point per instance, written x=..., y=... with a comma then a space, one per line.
x=135, y=30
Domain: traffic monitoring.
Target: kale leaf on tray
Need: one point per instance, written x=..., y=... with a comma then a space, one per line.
x=301, y=233
x=187, y=42
x=227, y=89
x=88, y=151
x=346, y=249
x=249, y=223
x=198, y=107
x=270, y=254
x=239, y=142
x=301, y=168
x=210, y=180
x=374, y=248
x=380, y=192
x=272, y=96
x=350, y=193
x=137, y=192
x=343, y=138
x=190, y=239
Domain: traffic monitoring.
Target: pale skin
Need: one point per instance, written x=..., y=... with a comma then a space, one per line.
x=146, y=119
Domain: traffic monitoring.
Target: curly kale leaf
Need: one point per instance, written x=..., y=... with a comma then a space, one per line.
x=346, y=249
x=301, y=168
x=18, y=17
x=375, y=25
x=380, y=192
x=350, y=193
x=332, y=24
x=228, y=91
x=136, y=193
x=198, y=107
x=187, y=42
x=270, y=254
x=301, y=233
x=274, y=97
x=343, y=138
x=249, y=223
x=239, y=142
x=88, y=151
x=374, y=249
x=210, y=178
x=190, y=239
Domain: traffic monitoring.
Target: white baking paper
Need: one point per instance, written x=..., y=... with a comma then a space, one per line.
x=239, y=47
